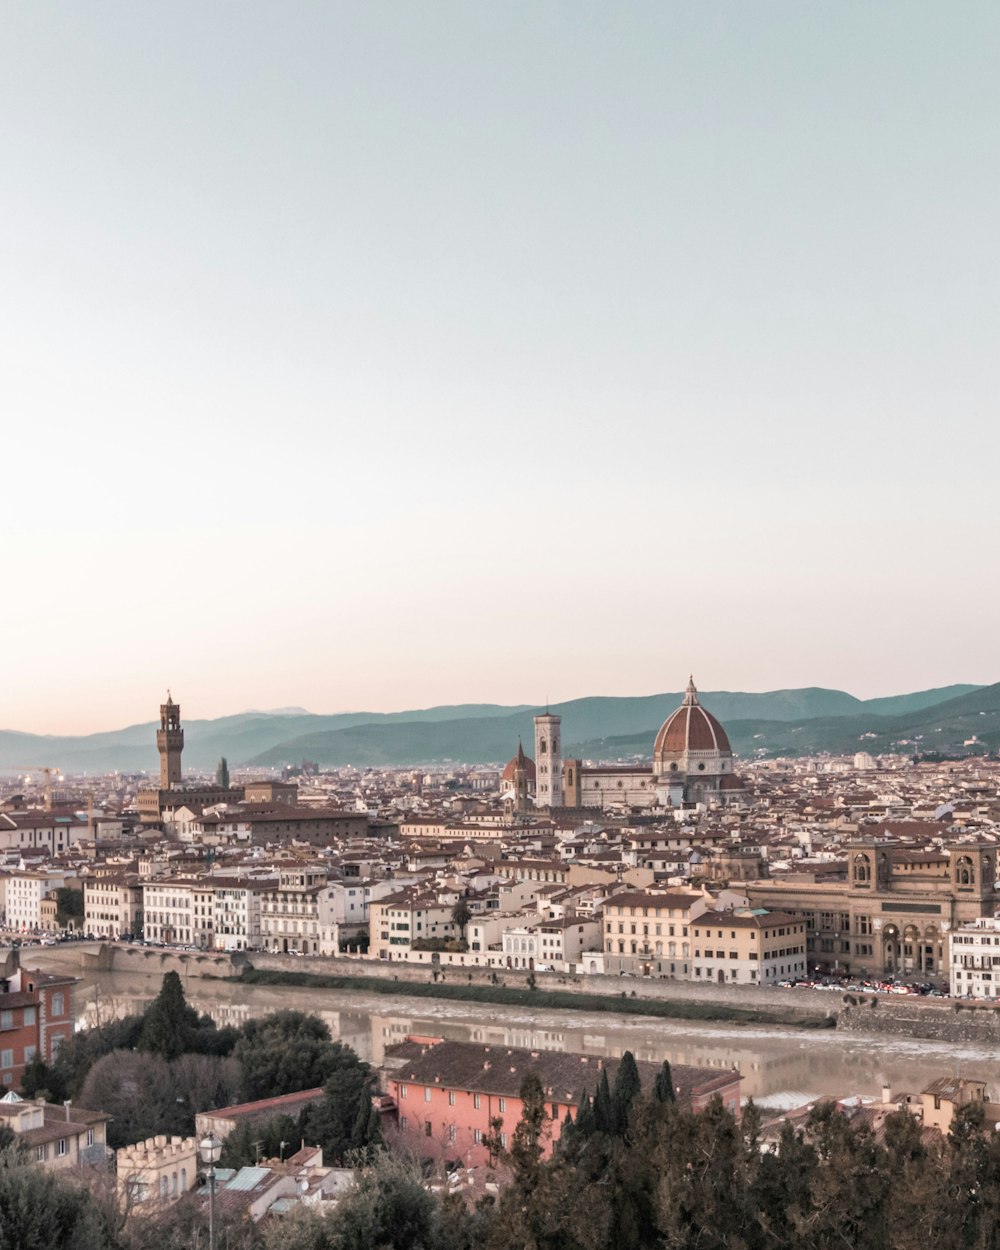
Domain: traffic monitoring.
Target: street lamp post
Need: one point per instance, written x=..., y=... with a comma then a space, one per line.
x=210, y=1149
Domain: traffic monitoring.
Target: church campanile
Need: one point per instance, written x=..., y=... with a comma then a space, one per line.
x=548, y=761
x=170, y=744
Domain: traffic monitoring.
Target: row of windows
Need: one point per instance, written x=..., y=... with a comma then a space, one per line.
x=452, y=1132
x=658, y=929
x=61, y=1147
x=7, y=1018
x=477, y=1099
x=669, y=913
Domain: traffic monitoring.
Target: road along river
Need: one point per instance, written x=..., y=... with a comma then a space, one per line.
x=781, y=1067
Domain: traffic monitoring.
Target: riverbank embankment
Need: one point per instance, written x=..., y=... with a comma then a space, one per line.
x=951, y=1021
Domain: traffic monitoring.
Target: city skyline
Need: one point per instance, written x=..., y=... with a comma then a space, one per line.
x=200, y=714
x=381, y=358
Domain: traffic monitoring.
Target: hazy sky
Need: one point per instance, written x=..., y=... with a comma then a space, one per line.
x=380, y=355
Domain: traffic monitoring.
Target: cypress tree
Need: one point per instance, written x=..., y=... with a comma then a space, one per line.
x=169, y=1022
x=663, y=1090
x=627, y=1085
x=584, y=1126
x=604, y=1114
x=527, y=1146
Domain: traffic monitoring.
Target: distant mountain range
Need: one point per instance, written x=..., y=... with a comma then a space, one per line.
x=779, y=722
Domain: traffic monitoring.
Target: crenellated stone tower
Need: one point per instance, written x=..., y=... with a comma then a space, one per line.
x=170, y=743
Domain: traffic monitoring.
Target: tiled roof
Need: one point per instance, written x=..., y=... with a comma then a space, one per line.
x=501, y=1070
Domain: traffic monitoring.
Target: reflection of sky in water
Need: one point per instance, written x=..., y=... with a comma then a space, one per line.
x=782, y=1067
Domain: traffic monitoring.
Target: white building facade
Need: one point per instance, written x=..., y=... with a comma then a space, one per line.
x=975, y=958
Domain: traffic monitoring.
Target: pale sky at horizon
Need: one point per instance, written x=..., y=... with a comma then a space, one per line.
x=381, y=356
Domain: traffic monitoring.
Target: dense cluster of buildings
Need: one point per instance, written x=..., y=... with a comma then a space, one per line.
x=687, y=867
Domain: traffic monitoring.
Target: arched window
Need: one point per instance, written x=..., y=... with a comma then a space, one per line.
x=862, y=868
x=542, y=747
x=965, y=874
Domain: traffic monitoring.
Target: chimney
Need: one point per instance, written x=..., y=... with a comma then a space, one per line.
x=67, y=1104
x=886, y=1093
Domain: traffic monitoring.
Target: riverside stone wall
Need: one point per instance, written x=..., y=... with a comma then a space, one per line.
x=810, y=1003
x=953, y=1022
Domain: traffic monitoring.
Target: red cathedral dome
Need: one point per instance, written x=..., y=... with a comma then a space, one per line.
x=529, y=767
x=690, y=728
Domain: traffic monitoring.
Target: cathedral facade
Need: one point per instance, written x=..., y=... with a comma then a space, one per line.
x=692, y=764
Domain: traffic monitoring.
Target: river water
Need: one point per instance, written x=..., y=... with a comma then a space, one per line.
x=780, y=1067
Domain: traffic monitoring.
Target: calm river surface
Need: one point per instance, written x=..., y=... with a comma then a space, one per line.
x=780, y=1066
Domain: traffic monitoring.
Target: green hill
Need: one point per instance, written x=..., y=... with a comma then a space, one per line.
x=774, y=722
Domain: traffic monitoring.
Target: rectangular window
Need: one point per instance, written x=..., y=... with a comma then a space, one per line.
x=451, y=1098
x=452, y=1134
x=478, y=1136
x=6, y=1058
x=61, y=1146
x=7, y=1019
x=501, y=1104
x=90, y=1136
x=476, y=1101
x=427, y=1128
x=403, y=1123
x=402, y=1091
x=58, y=1004
x=427, y=1093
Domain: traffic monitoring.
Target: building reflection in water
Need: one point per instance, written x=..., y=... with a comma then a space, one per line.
x=779, y=1064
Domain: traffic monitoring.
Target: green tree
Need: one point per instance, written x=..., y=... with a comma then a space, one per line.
x=461, y=914
x=140, y=1093
x=342, y=1121
x=205, y=1081
x=663, y=1089
x=35, y=1078
x=389, y=1209
x=604, y=1114
x=528, y=1142
x=248, y=1143
x=80, y=1051
x=169, y=1024
x=627, y=1086
x=43, y=1210
x=286, y=1052
x=301, y=1229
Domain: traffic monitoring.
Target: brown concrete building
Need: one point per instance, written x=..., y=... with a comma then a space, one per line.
x=279, y=822
x=892, y=912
